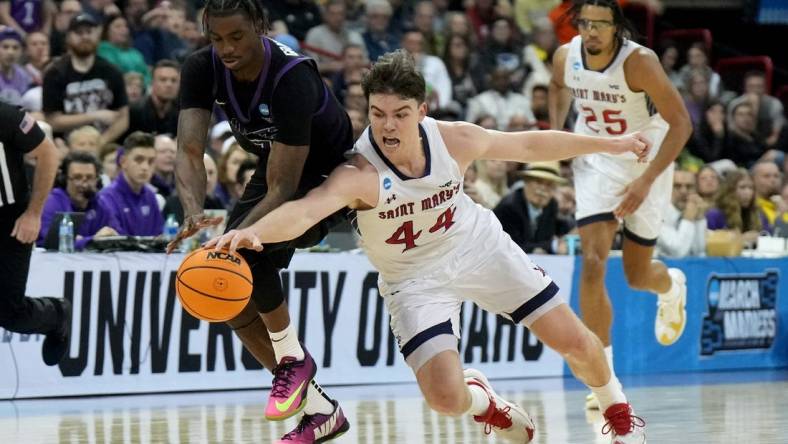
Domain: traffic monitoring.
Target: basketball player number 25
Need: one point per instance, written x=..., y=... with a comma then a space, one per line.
x=405, y=235
x=614, y=125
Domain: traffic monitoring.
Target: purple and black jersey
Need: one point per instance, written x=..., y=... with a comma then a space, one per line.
x=28, y=13
x=287, y=103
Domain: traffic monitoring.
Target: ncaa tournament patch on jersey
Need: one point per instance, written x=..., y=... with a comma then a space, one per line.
x=27, y=123
x=386, y=183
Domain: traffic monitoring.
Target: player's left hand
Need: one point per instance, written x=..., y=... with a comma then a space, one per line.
x=634, y=194
x=26, y=227
x=235, y=239
x=635, y=143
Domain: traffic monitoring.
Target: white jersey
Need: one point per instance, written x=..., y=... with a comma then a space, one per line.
x=604, y=103
x=419, y=223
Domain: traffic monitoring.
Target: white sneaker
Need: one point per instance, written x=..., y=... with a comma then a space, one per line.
x=507, y=419
x=623, y=425
x=672, y=317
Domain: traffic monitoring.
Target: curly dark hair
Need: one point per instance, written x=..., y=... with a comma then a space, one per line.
x=252, y=9
x=624, y=28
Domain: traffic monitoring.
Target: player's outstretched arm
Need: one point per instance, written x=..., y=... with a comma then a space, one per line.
x=347, y=186
x=469, y=142
x=190, y=176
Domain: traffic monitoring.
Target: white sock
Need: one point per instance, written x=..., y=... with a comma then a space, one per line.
x=609, y=356
x=609, y=394
x=317, y=401
x=286, y=343
x=480, y=401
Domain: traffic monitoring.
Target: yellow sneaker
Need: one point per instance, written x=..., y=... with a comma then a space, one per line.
x=672, y=316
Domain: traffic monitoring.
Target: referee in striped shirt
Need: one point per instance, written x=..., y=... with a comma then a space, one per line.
x=20, y=220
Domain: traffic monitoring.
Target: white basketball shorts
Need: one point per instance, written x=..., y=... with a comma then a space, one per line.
x=498, y=276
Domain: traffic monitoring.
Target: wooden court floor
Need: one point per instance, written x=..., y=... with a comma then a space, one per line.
x=738, y=407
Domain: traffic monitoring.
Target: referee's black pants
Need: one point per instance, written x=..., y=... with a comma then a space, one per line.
x=19, y=313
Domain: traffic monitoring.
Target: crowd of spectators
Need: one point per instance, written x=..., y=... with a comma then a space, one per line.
x=105, y=75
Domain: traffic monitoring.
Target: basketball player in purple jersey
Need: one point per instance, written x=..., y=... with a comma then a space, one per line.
x=280, y=110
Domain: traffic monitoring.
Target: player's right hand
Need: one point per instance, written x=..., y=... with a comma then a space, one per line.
x=191, y=225
x=235, y=239
x=635, y=143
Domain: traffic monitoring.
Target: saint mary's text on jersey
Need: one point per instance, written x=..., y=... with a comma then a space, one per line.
x=407, y=209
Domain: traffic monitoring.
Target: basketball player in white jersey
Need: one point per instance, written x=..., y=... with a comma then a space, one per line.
x=618, y=88
x=434, y=247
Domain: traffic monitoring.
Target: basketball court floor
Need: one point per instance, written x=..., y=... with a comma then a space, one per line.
x=733, y=407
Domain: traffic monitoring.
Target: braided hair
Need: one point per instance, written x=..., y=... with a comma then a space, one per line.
x=624, y=28
x=252, y=9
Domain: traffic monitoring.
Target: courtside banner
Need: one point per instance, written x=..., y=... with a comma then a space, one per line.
x=737, y=315
x=130, y=335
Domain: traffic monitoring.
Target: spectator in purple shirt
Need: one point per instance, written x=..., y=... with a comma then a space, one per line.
x=75, y=191
x=130, y=195
x=14, y=79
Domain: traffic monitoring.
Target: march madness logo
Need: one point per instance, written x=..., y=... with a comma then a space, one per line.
x=742, y=312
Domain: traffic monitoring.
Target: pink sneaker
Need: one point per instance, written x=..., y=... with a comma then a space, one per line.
x=317, y=428
x=624, y=427
x=288, y=390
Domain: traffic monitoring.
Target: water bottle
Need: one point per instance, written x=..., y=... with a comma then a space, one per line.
x=66, y=235
x=170, y=227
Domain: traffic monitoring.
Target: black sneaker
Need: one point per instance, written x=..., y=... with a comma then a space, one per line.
x=56, y=342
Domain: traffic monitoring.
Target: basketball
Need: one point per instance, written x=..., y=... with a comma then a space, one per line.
x=213, y=285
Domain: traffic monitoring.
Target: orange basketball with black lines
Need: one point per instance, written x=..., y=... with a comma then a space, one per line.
x=214, y=285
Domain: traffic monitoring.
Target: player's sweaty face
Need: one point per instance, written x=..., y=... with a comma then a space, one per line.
x=597, y=28
x=234, y=39
x=394, y=121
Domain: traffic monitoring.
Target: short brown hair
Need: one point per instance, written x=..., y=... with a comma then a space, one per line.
x=138, y=139
x=395, y=73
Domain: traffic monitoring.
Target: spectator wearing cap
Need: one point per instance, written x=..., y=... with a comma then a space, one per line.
x=14, y=79
x=75, y=191
x=130, y=196
x=26, y=16
x=157, y=113
x=83, y=89
x=529, y=214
